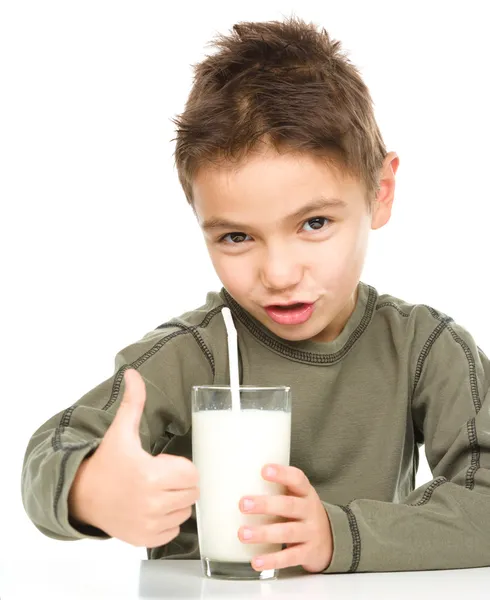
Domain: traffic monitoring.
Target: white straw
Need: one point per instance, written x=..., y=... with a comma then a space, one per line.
x=233, y=358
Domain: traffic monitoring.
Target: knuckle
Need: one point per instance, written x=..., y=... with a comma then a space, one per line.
x=311, y=532
x=164, y=538
x=170, y=534
x=152, y=478
x=289, y=530
x=291, y=505
x=191, y=497
x=313, y=529
x=169, y=503
x=187, y=470
x=153, y=506
x=260, y=534
x=174, y=532
x=186, y=514
x=181, y=502
x=297, y=476
x=290, y=559
x=180, y=516
x=297, y=556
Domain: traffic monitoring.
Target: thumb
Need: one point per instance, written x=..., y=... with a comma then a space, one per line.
x=128, y=416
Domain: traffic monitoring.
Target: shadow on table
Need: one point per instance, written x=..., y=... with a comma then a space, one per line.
x=186, y=580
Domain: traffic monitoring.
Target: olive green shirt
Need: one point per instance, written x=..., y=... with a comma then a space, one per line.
x=398, y=376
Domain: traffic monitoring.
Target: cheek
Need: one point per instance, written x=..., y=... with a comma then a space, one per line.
x=358, y=248
x=356, y=242
x=234, y=272
x=344, y=257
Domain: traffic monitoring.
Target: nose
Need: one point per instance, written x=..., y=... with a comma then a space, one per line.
x=280, y=269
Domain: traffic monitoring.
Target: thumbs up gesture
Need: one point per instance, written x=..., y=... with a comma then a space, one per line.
x=131, y=495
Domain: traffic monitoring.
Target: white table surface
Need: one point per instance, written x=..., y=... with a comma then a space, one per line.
x=31, y=578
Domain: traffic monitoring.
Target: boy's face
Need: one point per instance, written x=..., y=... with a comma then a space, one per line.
x=286, y=229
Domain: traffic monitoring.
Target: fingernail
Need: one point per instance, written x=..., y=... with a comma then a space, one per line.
x=259, y=562
x=247, y=534
x=248, y=504
x=270, y=472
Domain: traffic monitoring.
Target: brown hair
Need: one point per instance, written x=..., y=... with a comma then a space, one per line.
x=284, y=84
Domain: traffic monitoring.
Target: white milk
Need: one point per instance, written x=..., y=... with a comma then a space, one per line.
x=229, y=450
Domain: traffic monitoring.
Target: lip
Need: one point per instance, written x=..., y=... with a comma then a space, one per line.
x=292, y=316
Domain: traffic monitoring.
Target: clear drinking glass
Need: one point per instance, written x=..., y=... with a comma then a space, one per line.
x=229, y=449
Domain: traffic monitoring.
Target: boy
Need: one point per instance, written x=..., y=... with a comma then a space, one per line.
x=281, y=159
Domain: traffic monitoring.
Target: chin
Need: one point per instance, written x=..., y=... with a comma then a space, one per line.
x=295, y=333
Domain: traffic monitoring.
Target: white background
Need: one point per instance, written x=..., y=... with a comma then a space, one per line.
x=98, y=245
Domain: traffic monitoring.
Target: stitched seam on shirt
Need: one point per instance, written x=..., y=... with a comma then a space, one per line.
x=429, y=491
x=393, y=305
x=57, y=443
x=193, y=329
x=136, y=364
x=471, y=425
x=475, y=396
x=356, y=538
x=427, y=348
x=435, y=313
x=302, y=355
x=68, y=450
x=195, y=334
x=475, y=454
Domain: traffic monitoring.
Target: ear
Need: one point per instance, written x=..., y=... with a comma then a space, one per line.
x=382, y=205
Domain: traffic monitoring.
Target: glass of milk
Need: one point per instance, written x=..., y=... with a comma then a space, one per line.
x=229, y=448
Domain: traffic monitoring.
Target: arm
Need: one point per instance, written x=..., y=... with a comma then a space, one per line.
x=168, y=362
x=445, y=523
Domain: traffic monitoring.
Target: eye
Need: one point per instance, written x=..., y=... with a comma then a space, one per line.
x=316, y=223
x=236, y=237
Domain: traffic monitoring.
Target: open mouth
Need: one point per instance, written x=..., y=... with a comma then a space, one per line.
x=292, y=314
x=287, y=307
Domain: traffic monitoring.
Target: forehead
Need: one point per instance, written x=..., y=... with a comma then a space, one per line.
x=269, y=183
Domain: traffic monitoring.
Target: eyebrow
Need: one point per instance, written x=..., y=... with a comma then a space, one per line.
x=320, y=203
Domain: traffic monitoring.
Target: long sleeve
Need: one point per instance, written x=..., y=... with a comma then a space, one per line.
x=170, y=362
x=445, y=523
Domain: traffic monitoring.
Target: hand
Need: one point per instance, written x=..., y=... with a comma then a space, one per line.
x=131, y=495
x=307, y=532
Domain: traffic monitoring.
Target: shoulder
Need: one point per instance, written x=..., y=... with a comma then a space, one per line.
x=431, y=334
x=199, y=317
x=415, y=321
x=395, y=309
x=182, y=338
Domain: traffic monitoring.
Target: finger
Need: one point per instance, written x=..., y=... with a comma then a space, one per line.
x=289, y=507
x=173, y=519
x=291, y=557
x=291, y=532
x=292, y=478
x=176, y=500
x=174, y=472
x=162, y=538
x=128, y=416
